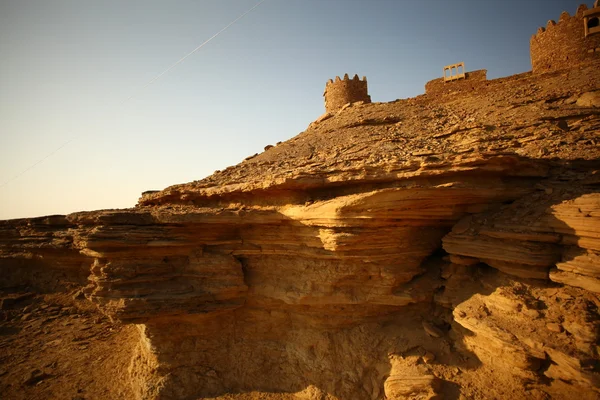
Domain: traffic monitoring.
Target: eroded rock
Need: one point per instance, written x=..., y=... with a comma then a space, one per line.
x=336, y=264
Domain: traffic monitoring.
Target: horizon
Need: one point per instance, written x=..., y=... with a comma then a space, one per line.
x=81, y=72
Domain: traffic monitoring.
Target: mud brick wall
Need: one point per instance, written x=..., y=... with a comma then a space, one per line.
x=472, y=81
x=345, y=91
x=563, y=44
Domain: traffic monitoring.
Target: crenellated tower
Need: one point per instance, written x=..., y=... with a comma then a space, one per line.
x=571, y=41
x=344, y=91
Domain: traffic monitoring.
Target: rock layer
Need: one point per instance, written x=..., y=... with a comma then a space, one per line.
x=435, y=245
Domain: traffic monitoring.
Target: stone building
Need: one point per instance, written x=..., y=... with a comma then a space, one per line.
x=571, y=41
x=343, y=91
x=455, y=79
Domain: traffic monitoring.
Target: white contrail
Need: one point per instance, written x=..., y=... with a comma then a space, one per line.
x=151, y=81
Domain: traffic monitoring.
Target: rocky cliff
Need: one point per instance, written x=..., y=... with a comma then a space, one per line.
x=443, y=245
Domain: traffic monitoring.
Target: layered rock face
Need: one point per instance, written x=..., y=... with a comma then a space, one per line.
x=435, y=246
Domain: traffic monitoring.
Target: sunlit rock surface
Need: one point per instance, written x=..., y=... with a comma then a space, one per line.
x=436, y=246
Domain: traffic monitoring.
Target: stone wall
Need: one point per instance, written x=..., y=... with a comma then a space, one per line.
x=344, y=91
x=473, y=80
x=563, y=45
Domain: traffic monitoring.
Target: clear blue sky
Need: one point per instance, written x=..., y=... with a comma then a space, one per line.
x=67, y=66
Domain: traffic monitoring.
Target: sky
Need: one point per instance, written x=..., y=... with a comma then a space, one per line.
x=81, y=128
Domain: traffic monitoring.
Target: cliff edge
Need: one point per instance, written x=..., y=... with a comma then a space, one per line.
x=445, y=245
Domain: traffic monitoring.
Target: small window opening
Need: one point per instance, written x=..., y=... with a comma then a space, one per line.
x=593, y=23
x=454, y=71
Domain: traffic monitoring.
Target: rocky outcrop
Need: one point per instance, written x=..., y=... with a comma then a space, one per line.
x=552, y=234
x=429, y=246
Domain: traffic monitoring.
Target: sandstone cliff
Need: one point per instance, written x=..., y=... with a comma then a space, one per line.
x=442, y=245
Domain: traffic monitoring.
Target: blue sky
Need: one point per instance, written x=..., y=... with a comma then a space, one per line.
x=67, y=67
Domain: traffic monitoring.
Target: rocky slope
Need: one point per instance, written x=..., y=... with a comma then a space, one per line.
x=436, y=246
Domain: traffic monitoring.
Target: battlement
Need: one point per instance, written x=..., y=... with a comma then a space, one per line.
x=564, y=19
x=339, y=92
x=571, y=41
x=346, y=78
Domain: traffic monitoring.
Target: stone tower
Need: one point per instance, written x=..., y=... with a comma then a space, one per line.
x=571, y=41
x=343, y=91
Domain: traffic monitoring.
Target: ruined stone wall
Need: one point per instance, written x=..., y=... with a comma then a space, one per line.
x=344, y=91
x=473, y=80
x=563, y=45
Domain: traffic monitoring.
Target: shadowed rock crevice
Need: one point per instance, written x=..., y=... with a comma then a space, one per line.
x=556, y=225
